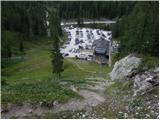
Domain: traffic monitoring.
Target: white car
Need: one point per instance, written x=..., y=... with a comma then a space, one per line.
x=82, y=56
x=89, y=58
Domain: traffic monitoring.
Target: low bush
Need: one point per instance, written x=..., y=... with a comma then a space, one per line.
x=148, y=62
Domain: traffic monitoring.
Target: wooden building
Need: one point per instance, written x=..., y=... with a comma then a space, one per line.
x=101, y=51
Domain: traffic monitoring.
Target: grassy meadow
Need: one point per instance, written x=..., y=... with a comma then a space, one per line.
x=31, y=79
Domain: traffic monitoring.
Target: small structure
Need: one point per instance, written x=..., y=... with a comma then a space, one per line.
x=101, y=50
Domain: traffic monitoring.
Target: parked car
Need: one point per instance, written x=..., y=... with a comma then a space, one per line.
x=88, y=36
x=91, y=32
x=77, y=32
x=89, y=57
x=82, y=57
x=81, y=34
x=76, y=41
x=80, y=47
x=71, y=27
x=103, y=35
x=110, y=38
x=75, y=51
x=98, y=32
x=109, y=33
x=87, y=30
x=70, y=50
x=65, y=54
x=81, y=41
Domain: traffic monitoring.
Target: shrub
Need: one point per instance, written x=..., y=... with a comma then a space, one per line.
x=148, y=62
x=3, y=81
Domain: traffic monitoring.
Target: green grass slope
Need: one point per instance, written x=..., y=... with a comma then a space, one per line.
x=31, y=79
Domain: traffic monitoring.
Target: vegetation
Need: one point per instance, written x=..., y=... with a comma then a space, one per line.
x=138, y=32
x=30, y=79
x=93, y=9
x=148, y=62
x=21, y=21
x=57, y=59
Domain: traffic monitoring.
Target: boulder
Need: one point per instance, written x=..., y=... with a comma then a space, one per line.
x=146, y=81
x=125, y=67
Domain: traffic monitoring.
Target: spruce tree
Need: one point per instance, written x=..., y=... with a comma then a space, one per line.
x=57, y=59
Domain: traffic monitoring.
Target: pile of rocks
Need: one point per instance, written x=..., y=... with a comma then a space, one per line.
x=127, y=68
x=146, y=81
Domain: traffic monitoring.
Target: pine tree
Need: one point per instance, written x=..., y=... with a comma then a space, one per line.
x=57, y=59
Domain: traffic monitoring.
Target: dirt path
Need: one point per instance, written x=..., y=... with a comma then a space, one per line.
x=93, y=95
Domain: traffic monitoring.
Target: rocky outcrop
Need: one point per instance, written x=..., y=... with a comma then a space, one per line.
x=143, y=81
x=146, y=81
x=125, y=67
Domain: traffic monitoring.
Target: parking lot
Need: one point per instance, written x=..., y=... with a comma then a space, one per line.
x=80, y=40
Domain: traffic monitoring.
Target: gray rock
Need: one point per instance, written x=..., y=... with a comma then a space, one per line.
x=145, y=81
x=40, y=103
x=83, y=116
x=72, y=87
x=125, y=67
x=4, y=110
x=55, y=103
x=30, y=111
x=156, y=70
x=63, y=83
x=125, y=115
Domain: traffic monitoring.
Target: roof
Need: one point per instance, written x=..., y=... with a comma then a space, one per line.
x=101, y=44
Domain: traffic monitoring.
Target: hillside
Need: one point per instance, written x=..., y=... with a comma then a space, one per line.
x=79, y=60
